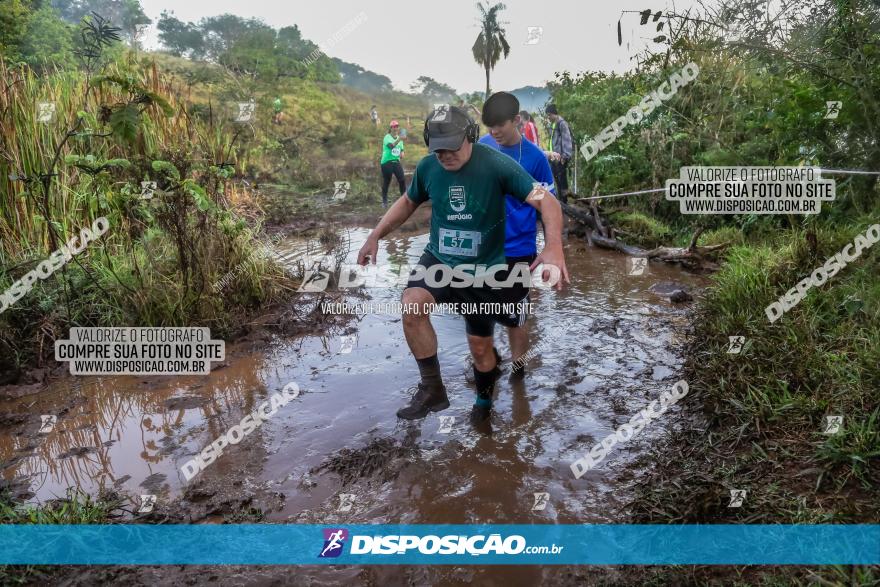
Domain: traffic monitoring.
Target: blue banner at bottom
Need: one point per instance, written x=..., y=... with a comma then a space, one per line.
x=475, y=544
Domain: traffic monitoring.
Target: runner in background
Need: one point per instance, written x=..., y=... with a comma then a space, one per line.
x=374, y=115
x=561, y=148
x=529, y=128
x=392, y=153
x=501, y=114
x=468, y=108
x=277, y=107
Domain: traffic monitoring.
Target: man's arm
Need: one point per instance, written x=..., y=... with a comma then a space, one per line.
x=543, y=173
x=551, y=216
x=397, y=214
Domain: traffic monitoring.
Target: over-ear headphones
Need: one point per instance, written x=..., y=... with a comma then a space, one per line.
x=471, y=131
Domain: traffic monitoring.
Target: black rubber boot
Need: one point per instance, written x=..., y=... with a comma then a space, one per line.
x=480, y=412
x=424, y=401
x=482, y=408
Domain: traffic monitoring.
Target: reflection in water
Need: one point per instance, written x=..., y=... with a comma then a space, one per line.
x=122, y=428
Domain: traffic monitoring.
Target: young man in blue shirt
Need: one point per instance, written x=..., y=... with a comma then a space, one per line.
x=501, y=115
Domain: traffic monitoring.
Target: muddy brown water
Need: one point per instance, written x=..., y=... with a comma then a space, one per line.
x=341, y=436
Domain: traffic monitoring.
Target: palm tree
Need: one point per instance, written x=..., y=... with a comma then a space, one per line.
x=490, y=43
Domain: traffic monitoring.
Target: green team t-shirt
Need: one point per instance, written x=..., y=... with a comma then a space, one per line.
x=388, y=153
x=467, y=206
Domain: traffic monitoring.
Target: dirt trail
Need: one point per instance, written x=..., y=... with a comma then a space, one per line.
x=341, y=435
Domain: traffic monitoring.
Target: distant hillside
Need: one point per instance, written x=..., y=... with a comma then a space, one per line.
x=531, y=98
x=355, y=76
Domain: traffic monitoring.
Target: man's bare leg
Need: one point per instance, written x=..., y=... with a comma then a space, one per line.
x=417, y=327
x=422, y=341
x=519, y=342
x=519, y=346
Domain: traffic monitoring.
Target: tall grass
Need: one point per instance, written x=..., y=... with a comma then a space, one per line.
x=28, y=146
x=766, y=406
x=156, y=264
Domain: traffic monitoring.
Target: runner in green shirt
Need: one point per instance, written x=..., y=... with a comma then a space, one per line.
x=392, y=153
x=277, y=107
x=466, y=184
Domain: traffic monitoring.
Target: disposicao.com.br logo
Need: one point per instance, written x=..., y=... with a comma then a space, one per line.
x=474, y=545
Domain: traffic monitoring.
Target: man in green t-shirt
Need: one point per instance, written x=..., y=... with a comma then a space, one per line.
x=466, y=184
x=392, y=153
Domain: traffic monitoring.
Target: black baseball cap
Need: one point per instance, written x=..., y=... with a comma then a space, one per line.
x=447, y=128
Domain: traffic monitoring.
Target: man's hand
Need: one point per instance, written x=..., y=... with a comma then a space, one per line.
x=552, y=155
x=369, y=251
x=554, y=257
x=396, y=215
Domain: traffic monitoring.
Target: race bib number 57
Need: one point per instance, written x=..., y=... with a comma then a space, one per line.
x=462, y=243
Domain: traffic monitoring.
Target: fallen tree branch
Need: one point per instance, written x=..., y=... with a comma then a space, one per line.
x=693, y=243
x=692, y=255
x=580, y=216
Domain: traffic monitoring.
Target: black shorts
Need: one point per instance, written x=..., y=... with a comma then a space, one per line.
x=517, y=297
x=480, y=323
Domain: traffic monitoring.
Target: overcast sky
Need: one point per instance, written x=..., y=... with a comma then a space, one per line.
x=407, y=38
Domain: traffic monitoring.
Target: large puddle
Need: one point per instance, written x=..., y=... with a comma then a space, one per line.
x=134, y=433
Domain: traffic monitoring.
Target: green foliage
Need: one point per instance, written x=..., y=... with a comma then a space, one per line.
x=759, y=99
x=166, y=168
x=77, y=508
x=97, y=34
x=124, y=118
x=49, y=41
x=753, y=103
x=128, y=15
x=247, y=47
x=138, y=94
x=162, y=253
x=641, y=229
x=93, y=166
x=124, y=122
x=432, y=89
x=14, y=19
x=825, y=350
x=726, y=234
x=359, y=78
x=180, y=38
